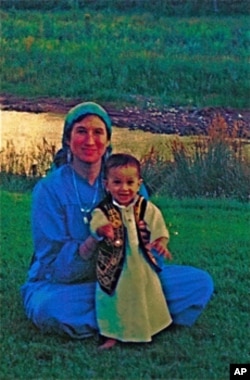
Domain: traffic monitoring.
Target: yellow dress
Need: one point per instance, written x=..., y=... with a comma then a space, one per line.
x=137, y=310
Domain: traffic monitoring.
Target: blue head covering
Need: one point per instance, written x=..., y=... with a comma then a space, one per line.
x=79, y=112
x=75, y=114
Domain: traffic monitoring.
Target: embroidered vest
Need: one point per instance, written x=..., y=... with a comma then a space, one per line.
x=111, y=253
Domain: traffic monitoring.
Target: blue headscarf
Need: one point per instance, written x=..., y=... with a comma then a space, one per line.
x=75, y=114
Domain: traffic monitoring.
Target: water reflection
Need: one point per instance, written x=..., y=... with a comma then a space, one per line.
x=28, y=129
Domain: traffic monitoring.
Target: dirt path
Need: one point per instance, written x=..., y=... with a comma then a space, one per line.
x=174, y=120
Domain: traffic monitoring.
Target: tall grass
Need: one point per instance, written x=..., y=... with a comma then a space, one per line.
x=213, y=166
x=34, y=163
x=20, y=170
x=122, y=56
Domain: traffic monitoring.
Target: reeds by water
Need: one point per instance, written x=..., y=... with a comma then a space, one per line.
x=214, y=166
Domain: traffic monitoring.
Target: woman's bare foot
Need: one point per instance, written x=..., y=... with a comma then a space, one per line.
x=108, y=344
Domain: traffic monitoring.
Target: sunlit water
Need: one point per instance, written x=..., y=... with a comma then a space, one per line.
x=27, y=130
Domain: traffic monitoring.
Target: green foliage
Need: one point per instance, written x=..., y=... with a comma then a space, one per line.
x=17, y=183
x=120, y=56
x=212, y=173
x=199, y=237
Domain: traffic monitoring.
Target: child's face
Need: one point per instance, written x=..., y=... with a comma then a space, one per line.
x=123, y=183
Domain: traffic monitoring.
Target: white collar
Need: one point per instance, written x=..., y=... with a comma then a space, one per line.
x=124, y=207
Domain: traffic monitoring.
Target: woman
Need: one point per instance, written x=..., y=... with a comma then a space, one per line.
x=59, y=293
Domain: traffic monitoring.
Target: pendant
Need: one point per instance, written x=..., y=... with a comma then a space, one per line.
x=118, y=243
x=85, y=219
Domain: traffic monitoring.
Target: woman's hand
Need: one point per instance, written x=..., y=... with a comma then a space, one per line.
x=87, y=248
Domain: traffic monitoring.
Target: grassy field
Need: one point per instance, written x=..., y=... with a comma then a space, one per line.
x=213, y=235
x=132, y=57
x=126, y=57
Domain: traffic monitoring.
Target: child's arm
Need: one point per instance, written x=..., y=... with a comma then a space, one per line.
x=100, y=226
x=159, y=244
x=154, y=224
x=87, y=248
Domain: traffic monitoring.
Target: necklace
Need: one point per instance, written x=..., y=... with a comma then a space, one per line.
x=84, y=210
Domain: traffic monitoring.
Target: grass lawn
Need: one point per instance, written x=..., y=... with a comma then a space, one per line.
x=122, y=57
x=210, y=234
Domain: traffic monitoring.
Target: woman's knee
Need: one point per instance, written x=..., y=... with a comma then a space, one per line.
x=76, y=319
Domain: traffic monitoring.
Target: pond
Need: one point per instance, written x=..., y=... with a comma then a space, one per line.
x=29, y=141
x=27, y=130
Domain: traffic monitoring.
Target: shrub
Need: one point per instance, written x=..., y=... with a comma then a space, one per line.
x=216, y=168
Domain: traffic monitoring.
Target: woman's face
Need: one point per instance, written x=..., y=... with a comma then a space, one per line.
x=89, y=139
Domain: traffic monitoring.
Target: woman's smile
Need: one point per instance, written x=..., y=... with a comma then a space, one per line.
x=89, y=151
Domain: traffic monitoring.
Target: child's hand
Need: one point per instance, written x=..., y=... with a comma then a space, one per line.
x=160, y=246
x=106, y=231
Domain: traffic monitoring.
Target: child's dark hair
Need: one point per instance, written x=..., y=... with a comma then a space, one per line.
x=121, y=159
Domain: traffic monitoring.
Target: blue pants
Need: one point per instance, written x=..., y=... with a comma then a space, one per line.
x=70, y=308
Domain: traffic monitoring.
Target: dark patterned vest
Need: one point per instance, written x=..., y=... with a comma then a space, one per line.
x=111, y=253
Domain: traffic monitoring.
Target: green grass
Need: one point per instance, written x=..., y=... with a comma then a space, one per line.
x=124, y=57
x=210, y=234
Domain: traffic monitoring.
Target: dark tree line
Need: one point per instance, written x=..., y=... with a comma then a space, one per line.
x=166, y=7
